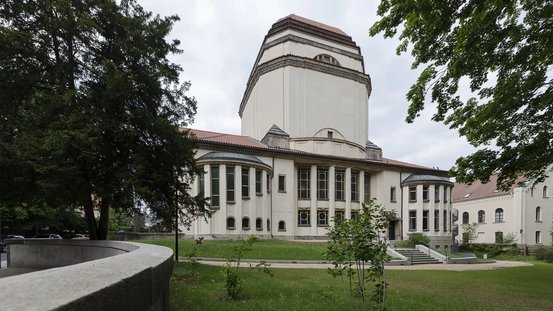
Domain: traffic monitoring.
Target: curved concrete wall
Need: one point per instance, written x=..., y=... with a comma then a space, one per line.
x=88, y=275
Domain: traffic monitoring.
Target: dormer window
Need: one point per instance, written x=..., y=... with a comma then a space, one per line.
x=325, y=58
x=329, y=134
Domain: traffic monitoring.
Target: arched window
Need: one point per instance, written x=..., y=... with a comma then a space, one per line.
x=545, y=191
x=481, y=217
x=325, y=58
x=538, y=213
x=465, y=218
x=245, y=223
x=258, y=224
x=538, y=237
x=281, y=226
x=230, y=223
x=499, y=215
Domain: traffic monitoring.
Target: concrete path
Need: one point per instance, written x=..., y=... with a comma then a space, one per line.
x=299, y=264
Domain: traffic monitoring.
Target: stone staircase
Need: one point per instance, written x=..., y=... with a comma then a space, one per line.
x=417, y=257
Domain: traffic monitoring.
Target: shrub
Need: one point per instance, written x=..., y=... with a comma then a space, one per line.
x=418, y=238
x=492, y=250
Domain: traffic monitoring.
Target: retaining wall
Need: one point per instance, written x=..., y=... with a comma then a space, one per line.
x=87, y=275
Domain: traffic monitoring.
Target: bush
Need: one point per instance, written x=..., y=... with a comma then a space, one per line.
x=492, y=250
x=418, y=238
x=544, y=254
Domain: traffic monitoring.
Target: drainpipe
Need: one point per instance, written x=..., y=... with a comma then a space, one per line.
x=271, y=196
x=401, y=202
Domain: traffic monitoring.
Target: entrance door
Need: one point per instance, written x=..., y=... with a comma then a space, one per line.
x=392, y=230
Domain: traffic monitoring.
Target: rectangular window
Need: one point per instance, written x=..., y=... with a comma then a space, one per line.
x=445, y=194
x=367, y=187
x=202, y=183
x=412, y=220
x=393, y=194
x=304, y=217
x=425, y=193
x=339, y=215
x=322, y=184
x=339, y=185
x=303, y=184
x=269, y=181
x=445, y=221
x=538, y=237
x=281, y=183
x=215, y=186
x=353, y=214
x=413, y=194
x=425, y=220
x=245, y=182
x=354, y=187
x=436, y=220
x=436, y=194
x=322, y=217
x=329, y=134
x=230, y=183
x=257, y=182
x=499, y=237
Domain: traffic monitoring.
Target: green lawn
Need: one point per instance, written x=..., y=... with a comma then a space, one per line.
x=524, y=288
x=263, y=249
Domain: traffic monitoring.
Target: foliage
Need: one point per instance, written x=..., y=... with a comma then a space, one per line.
x=510, y=238
x=544, y=254
x=29, y=219
x=91, y=110
x=503, y=51
x=233, y=281
x=469, y=232
x=551, y=234
x=357, y=250
x=418, y=238
x=492, y=250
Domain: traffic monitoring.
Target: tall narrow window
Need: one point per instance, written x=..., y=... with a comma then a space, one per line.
x=259, y=224
x=230, y=223
x=545, y=191
x=215, y=186
x=499, y=215
x=245, y=182
x=412, y=220
x=436, y=193
x=322, y=184
x=303, y=184
x=465, y=218
x=481, y=217
x=202, y=183
x=245, y=223
x=498, y=237
x=354, y=187
x=425, y=220
x=339, y=185
x=281, y=226
x=425, y=193
x=445, y=221
x=392, y=194
x=538, y=237
x=257, y=182
x=367, y=187
x=269, y=181
x=304, y=217
x=230, y=183
x=339, y=215
x=538, y=213
x=281, y=183
x=413, y=194
x=445, y=194
x=436, y=220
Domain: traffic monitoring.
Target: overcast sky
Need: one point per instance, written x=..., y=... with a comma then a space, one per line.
x=221, y=39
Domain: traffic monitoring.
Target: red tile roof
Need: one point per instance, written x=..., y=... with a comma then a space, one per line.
x=314, y=23
x=246, y=141
x=478, y=190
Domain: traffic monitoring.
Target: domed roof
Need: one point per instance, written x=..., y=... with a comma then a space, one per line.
x=424, y=179
x=231, y=156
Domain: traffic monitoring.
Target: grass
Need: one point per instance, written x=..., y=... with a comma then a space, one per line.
x=523, y=288
x=263, y=249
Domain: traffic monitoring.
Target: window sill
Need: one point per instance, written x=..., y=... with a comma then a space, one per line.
x=231, y=228
x=425, y=230
x=539, y=221
x=426, y=201
x=231, y=202
x=412, y=230
x=281, y=191
x=498, y=222
x=322, y=225
x=245, y=198
x=393, y=201
x=412, y=201
x=281, y=230
x=215, y=207
x=259, y=194
x=481, y=223
x=246, y=228
x=259, y=229
x=308, y=225
x=321, y=199
x=437, y=201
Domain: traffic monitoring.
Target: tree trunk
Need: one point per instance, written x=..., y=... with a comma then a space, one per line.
x=104, y=218
x=90, y=219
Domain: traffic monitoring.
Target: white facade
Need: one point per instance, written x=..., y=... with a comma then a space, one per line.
x=304, y=157
x=524, y=211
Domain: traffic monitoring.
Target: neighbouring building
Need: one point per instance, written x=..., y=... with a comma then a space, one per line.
x=303, y=157
x=524, y=211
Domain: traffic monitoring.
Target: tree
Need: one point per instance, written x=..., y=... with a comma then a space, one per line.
x=358, y=251
x=91, y=109
x=503, y=50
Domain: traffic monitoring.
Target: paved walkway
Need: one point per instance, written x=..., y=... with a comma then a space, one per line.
x=312, y=264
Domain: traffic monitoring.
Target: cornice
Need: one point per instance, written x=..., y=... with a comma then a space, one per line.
x=310, y=29
x=301, y=62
